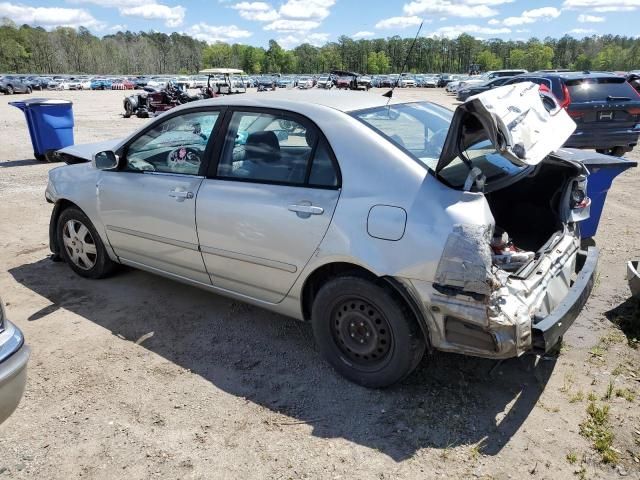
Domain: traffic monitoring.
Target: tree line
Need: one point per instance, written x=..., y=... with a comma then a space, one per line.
x=26, y=49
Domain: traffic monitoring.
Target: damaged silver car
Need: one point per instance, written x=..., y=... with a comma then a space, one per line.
x=393, y=227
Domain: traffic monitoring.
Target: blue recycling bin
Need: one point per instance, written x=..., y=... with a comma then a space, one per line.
x=50, y=124
x=603, y=169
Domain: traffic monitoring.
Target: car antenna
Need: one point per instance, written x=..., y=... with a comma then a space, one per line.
x=389, y=94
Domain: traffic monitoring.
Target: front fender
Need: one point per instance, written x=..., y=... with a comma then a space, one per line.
x=75, y=185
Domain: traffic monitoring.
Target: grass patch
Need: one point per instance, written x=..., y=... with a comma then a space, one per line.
x=609, y=393
x=572, y=457
x=596, y=428
x=592, y=397
x=628, y=395
x=576, y=397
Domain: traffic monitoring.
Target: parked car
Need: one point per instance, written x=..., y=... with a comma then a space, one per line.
x=465, y=92
x=490, y=75
x=605, y=107
x=406, y=81
x=10, y=84
x=444, y=79
x=430, y=82
x=479, y=256
x=100, y=83
x=305, y=82
x=351, y=80
x=14, y=356
x=324, y=82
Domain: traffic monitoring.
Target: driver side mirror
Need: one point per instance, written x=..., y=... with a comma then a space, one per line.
x=106, y=160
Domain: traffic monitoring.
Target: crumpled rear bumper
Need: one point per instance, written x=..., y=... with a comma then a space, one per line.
x=548, y=330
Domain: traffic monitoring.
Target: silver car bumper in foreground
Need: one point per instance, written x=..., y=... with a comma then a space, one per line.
x=14, y=355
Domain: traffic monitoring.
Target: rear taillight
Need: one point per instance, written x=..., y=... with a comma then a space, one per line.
x=579, y=198
x=633, y=111
x=575, y=114
x=566, y=100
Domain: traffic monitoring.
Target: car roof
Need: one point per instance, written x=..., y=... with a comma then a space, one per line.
x=573, y=75
x=296, y=99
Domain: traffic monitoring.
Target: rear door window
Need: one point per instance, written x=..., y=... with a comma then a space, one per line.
x=600, y=90
x=276, y=148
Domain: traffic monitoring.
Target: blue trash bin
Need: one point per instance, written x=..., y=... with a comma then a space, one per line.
x=603, y=169
x=50, y=124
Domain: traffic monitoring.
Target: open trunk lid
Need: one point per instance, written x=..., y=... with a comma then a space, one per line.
x=522, y=126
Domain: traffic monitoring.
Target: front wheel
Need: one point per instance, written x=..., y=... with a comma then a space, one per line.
x=29, y=90
x=80, y=245
x=9, y=90
x=365, y=332
x=128, y=109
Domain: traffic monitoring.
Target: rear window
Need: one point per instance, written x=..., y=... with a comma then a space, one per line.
x=599, y=89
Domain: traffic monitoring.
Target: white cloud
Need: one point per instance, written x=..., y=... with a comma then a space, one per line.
x=284, y=25
x=363, y=34
x=532, y=16
x=590, y=19
x=147, y=9
x=291, y=16
x=305, y=9
x=399, y=22
x=602, y=5
x=118, y=28
x=258, y=11
x=454, y=8
x=49, y=17
x=581, y=31
x=217, y=33
x=172, y=16
x=291, y=41
x=454, y=31
x=493, y=21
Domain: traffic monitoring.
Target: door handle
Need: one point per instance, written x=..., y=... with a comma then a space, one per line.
x=179, y=194
x=307, y=209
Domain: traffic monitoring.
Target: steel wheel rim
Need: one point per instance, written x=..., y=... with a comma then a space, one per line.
x=362, y=333
x=79, y=244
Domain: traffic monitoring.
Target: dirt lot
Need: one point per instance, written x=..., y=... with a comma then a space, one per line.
x=140, y=377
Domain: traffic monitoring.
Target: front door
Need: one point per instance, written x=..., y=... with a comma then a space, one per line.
x=266, y=207
x=148, y=206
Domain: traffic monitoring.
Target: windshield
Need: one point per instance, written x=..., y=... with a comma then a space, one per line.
x=421, y=129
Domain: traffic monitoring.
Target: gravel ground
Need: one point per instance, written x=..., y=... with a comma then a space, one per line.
x=140, y=377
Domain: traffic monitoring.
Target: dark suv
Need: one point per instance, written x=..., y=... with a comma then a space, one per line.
x=605, y=107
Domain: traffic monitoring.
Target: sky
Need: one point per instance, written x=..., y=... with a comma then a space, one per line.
x=292, y=22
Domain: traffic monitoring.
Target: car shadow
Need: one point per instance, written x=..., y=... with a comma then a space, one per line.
x=20, y=163
x=271, y=360
x=626, y=317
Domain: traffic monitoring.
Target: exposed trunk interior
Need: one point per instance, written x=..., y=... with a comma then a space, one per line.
x=528, y=210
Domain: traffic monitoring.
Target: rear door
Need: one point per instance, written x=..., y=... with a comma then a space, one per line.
x=603, y=102
x=264, y=209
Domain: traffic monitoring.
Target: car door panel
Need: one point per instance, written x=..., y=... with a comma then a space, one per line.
x=150, y=219
x=252, y=240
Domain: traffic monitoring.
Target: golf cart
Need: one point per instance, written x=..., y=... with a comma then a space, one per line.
x=223, y=81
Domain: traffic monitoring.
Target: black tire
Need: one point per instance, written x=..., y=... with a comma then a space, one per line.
x=618, y=151
x=40, y=157
x=9, y=90
x=102, y=265
x=128, y=109
x=29, y=90
x=366, y=332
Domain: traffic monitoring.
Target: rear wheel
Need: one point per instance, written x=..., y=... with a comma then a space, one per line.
x=366, y=333
x=80, y=245
x=9, y=90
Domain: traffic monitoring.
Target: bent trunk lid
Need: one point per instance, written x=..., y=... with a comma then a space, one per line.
x=514, y=118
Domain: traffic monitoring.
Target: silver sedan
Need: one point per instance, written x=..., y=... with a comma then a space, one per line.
x=393, y=227
x=14, y=356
